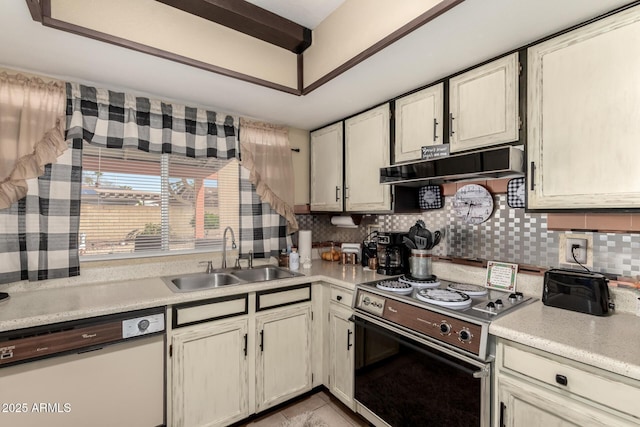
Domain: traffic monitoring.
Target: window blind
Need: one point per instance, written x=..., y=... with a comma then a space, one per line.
x=139, y=203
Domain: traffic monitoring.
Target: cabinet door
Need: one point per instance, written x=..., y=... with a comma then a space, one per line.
x=299, y=140
x=366, y=151
x=210, y=383
x=583, y=109
x=484, y=105
x=418, y=123
x=524, y=404
x=326, y=169
x=283, y=354
x=341, y=354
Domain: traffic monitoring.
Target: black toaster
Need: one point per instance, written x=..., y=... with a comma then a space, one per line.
x=577, y=290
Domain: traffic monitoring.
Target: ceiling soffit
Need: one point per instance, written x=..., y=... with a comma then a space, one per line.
x=237, y=39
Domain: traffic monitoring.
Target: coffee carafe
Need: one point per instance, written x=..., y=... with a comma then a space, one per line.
x=393, y=255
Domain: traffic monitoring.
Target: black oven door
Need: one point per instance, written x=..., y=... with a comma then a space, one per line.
x=409, y=382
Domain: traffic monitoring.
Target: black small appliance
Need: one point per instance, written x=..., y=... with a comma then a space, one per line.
x=393, y=255
x=576, y=290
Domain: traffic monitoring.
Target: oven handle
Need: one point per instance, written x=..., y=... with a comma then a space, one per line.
x=483, y=372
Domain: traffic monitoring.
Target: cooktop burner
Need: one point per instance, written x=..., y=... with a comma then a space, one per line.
x=395, y=287
x=444, y=297
x=471, y=290
x=431, y=282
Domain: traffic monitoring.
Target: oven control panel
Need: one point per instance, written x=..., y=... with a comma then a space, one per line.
x=370, y=303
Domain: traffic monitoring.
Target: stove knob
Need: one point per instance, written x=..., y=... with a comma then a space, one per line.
x=513, y=298
x=499, y=304
x=519, y=296
x=491, y=306
x=465, y=335
x=366, y=301
x=445, y=328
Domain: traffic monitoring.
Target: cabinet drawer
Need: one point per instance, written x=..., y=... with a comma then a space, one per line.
x=213, y=309
x=341, y=296
x=282, y=297
x=600, y=388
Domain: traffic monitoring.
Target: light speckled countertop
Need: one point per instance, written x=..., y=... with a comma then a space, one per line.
x=606, y=342
x=59, y=304
x=611, y=343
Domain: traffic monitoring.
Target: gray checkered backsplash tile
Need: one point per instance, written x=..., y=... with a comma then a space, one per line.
x=510, y=235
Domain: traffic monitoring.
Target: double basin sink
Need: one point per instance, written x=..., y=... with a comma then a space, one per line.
x=227, y=277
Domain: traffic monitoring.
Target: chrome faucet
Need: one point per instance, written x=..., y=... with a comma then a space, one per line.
x=250, y=259
x=224, y=245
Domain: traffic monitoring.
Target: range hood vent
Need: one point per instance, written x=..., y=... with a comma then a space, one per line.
x=483, y=164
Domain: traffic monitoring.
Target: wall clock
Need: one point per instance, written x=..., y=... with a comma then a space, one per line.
x=473, y=204
x=515, y=193
x=430, y=197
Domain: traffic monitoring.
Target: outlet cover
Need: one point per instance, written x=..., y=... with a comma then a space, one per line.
x=580, y=253
x=584, y=253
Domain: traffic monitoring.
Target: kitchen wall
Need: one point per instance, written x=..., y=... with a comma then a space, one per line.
x=510, y=235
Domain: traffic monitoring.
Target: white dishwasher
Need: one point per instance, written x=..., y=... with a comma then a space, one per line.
x=103, y=371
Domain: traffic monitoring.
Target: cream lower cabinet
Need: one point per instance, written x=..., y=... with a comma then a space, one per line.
x=537, y=389
x=366, y=150
x=483, y=105
x=583, y=107
x=283, y=355
x=210, y=374
x=341, y=354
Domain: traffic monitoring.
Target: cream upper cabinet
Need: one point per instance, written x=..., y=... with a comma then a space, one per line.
x=483, y=105
x=283, y=355
x=341, y=354
x=326, y=192
x=299, y=142
x=210, y=375
x=418, y=122
x=367, y=148
x=584, y=117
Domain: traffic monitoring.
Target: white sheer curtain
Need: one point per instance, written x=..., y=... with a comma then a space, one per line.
x=266, y=153
x=32, y=126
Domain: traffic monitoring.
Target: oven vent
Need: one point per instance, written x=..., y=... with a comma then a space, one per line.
x=491, y=163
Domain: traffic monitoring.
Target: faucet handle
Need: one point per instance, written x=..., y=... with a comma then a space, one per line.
x=209, y=267
x=238, y=262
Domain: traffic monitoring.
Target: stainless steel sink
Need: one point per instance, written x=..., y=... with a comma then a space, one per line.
x=199, y=281
x=226, y=277
x=263, y=273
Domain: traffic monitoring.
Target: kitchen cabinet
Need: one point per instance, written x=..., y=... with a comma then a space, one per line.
x=483, y=105
x=583, y=108
x=366, y=150
x=210, y=374
x=283, y=355
x=418, y=122
x=535, y=388
x=341, y=348
x=299, y=142
x=326, y=165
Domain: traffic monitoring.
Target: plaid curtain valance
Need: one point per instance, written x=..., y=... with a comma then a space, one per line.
x=119, y=120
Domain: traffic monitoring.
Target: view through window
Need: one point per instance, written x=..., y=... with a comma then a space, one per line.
x=135, y=202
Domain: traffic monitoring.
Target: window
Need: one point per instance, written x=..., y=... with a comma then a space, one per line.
x=138, y=203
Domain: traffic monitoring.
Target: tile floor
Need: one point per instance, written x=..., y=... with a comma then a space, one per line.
x=322, y=404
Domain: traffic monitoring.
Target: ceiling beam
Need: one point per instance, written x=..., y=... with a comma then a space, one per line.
x=249, y=19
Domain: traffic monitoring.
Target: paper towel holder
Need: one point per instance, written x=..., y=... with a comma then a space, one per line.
x=346, y=221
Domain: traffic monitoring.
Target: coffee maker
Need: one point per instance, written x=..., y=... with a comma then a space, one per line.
x=393, y=255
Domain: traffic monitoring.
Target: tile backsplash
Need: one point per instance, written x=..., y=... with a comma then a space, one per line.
x=510, y=235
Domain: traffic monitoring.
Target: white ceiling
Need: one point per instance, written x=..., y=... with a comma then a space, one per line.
x=470, y=33
x=308, y=13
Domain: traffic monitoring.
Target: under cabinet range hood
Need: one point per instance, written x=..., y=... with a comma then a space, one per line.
x=482, y=164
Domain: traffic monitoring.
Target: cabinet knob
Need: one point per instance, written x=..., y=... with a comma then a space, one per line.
x=561, y=379
x=339, y=297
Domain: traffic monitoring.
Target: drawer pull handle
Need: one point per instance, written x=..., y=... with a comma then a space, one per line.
x=561, y=379
x=339, y=297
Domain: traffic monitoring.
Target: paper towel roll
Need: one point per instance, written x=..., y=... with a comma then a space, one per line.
x=304, y=245
x=343, y=221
